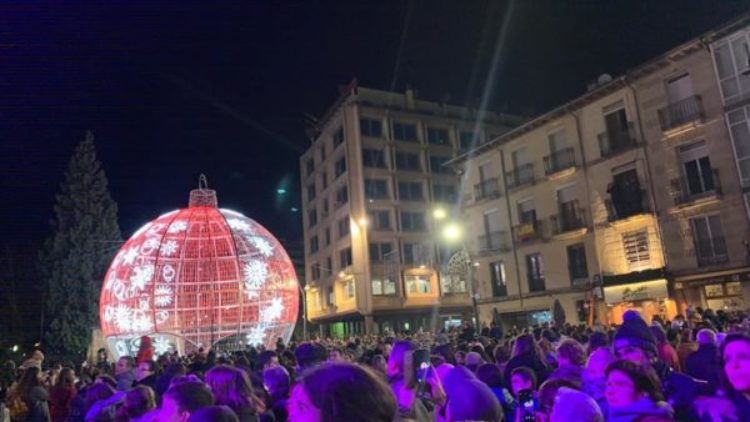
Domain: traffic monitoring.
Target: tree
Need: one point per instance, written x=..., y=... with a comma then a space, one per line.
x=75, y=259
x=558, y=314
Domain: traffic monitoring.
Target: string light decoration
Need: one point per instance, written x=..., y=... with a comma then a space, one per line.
x=199, y=277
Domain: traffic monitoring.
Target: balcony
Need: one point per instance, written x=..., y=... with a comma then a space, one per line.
x=521, y=175
x=493, y=241
x=627, y=204
x=559, y=161
x=683, y=192
x=528, y=231
x=568, y=221
x=487, y=189
x=614, y=142
x=682, y=112
x=711, y=251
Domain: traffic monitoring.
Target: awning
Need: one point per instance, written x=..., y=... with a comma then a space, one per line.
x=633, y=292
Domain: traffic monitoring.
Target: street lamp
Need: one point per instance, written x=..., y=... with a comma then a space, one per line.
x=304, y=308
x=452, y=233
x=439, y=214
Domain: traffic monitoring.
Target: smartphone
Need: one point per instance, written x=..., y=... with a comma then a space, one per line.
x=526, y=401
x=421, y=365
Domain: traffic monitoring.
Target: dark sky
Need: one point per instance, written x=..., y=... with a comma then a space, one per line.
x=173, y=89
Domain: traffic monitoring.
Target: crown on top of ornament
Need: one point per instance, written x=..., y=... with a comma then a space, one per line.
x=203, y=196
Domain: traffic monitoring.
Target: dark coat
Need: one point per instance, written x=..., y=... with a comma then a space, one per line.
x=680, y=390
x=705, y=365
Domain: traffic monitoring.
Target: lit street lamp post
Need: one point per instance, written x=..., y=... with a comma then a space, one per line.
x=303, y=291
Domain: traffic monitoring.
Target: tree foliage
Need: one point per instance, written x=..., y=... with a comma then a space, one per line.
x=75, y=259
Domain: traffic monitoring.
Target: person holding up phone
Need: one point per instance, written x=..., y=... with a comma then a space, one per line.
x=413, y=381
x=523, y=384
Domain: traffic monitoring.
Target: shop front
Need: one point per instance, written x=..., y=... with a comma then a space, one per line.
x=724, y=290
x=650, y=298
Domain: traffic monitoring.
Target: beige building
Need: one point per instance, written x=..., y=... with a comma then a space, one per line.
x=614, y=200
x=372, y=183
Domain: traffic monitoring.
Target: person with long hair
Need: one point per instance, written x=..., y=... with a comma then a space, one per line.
x=634, y=391
x=29, y=398
x=341, y=392
x=231, y=387
x=61, y=395
x=526, y=354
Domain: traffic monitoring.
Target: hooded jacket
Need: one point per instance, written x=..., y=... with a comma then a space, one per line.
x=639, y=409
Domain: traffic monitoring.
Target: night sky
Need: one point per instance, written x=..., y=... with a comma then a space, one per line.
x=174, y=89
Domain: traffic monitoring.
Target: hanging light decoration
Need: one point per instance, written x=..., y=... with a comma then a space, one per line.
x=199, y=277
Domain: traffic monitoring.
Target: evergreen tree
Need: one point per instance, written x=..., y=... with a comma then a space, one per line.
x=75, y=259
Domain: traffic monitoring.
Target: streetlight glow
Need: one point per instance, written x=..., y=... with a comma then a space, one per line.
x=363, y=221
x=451, y=232
x=439, y=213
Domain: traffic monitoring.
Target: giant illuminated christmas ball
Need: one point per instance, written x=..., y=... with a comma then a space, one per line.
x=199, y=277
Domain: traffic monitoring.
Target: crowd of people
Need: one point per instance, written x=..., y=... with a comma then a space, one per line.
x=694, y=369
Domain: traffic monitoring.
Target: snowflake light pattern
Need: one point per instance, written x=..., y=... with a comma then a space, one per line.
x=262, y=245
x=273, y=311
x=168, y=248
x=177, y=226
x=163, y=296
x=161, y=345
x=238, y=224
x=128, y=258
x=257, y=335
x=255, y=275
x=141, y=276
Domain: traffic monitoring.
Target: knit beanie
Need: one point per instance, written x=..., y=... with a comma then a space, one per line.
x=473, y=400
x=635, y=332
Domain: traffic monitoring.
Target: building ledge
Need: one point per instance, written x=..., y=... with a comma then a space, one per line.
x=571, y=234
x=699, y=202
x=563, y=173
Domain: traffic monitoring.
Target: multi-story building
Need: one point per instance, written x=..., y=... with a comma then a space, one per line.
x=628, y=206
x=372, y=181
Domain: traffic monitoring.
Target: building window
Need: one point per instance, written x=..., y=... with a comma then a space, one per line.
x=340, y=166
x=406, y=132
x=626, y=195
x=370, y=127
x=380, y=220
x=311, y=191
x=312, y=217
x=451, y=283
x=731, y=59
x=411, y=250
x=329, y=264
x=345, y=257
x=310, y=165
x=325, y=207
x=349, y=289
x=710, y=246
x=497, y=275
x=322, y=152
x=410, y=191
x=577, y=266
x=436, y=136
x=383, y=286
x=739, y=129
x=343, y=226
x=374, y=158
x=412, y=221
x=698, y=172
x=408, y=161
x=314, y=244
x=379, y=251
x=338, y=137
x=315, y=271
x=342, y=196
x=535, y=272
x=466, y=140
x=443, y=193
x=417, y=284
x=376, y=189
x=436, y=166
x=637, y=254
x=328, y=236
x=324, y=178
x=330, y=296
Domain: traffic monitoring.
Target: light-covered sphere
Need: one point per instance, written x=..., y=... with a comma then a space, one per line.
x=199, y=277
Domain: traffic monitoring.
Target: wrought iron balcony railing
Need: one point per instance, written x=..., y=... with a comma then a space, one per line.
x=681, y=112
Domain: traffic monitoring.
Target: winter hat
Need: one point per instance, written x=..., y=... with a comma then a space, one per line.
x=573, y=405
x=471, y=400
x=635, y=332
